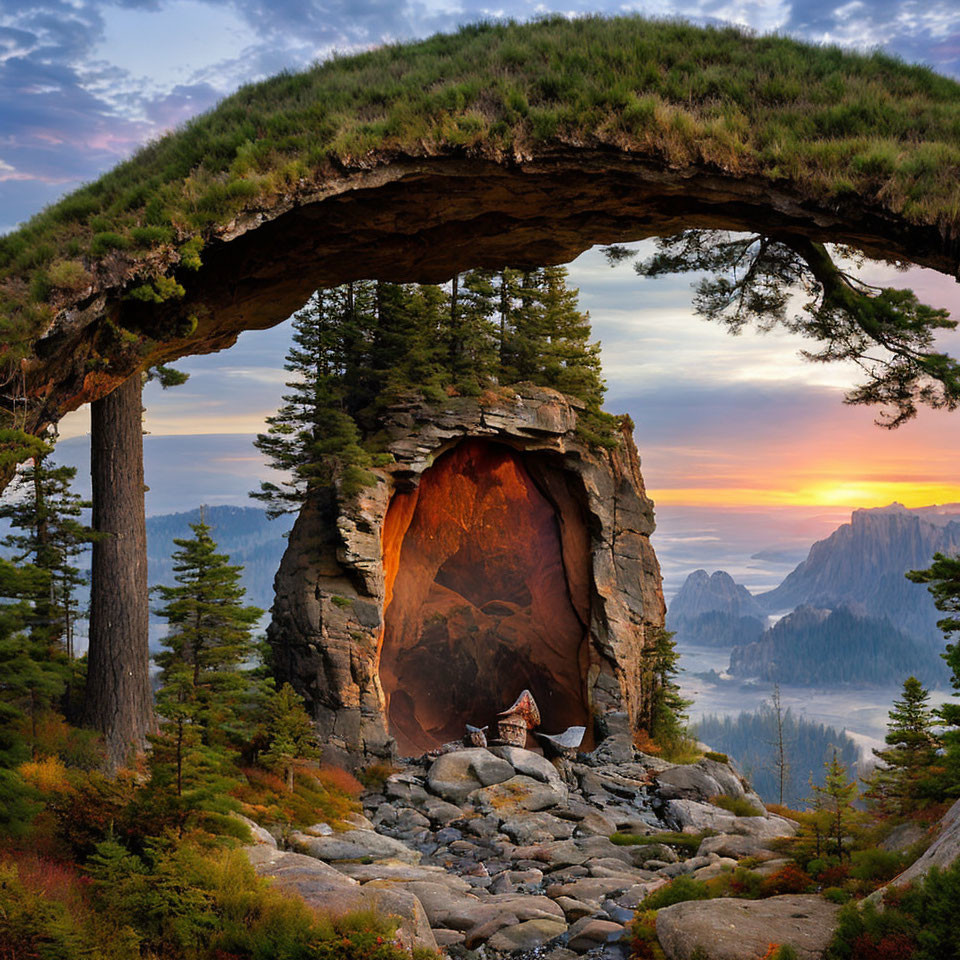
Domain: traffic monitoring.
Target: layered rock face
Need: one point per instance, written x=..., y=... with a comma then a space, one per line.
x=497, y=552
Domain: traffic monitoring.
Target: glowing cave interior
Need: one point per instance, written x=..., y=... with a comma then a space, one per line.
x=487, y=577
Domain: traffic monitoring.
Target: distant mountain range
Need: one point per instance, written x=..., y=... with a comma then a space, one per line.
x=863, y=563
x=714, y=610
x=856, y=618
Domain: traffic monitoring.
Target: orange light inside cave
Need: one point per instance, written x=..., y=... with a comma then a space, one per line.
x=486, y=593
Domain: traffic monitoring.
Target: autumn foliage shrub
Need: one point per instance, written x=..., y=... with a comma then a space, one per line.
x=788, y=879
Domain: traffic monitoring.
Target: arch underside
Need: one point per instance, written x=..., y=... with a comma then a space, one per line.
x=422, y=220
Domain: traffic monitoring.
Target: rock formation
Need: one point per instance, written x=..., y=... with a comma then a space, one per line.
x=420, y=219
x=490, y=850
x=496, y=553
x=714, y=609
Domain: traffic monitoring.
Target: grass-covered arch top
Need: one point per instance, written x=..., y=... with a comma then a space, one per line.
x=500, y=144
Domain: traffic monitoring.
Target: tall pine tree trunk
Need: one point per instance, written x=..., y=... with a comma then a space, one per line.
x=119, y=702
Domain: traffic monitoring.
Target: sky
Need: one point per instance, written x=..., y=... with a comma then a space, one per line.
x=723, y=423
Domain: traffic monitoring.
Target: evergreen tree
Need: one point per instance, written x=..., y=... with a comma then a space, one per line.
x=313, y=432
x=290, y=735
x=360, y=347
x=943, y=579
x=209, y=641
x=665, y=710
x=570, y=362
x=836, y=800
x=471, y=334
x=43, y=514
x=206, y=691
x=912, y=750
x=31, y=680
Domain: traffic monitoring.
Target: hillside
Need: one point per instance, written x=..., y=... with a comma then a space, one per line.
x=715, y=610
x=863, y=563
x=750, y=738
x=244, y=533
x=814, y=647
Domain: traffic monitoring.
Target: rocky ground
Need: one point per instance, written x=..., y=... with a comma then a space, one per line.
x=487, y=853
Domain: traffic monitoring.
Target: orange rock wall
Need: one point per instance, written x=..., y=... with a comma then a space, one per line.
x=478, y=601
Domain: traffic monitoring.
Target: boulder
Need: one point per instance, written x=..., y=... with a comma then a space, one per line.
x=737, y=846
x=440, y=812
x=527, y=828
x=454, y=776
x=527, y=935
x=528, y=763
x=594, y=824
x=328, y=891
x=728, y=929
x=942, y=852
x=691, y=816
x=903, y=837
x=260, y=834
x=576, y=909
x=403, y=873
x=354, y=845
x=591, y=932
x=518, y=793
x=591, y=888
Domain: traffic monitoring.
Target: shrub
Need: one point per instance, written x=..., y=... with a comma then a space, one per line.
x=738, y=806
x=718, y=757
x=678, y=890
x=686, y=842
x=788, y=879
x=876, y=866
x=643, y=937
x=106, y=241
x=374, y=776
x=778, y=951
x=836, y=895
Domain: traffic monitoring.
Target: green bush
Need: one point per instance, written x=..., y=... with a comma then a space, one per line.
x=718, y=757
x=738, y=806
x=686, y=842
x=916, y=923
x=876, y=866
x=678, y=890
x=836, y=895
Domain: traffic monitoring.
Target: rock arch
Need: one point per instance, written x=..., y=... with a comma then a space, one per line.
x=348, y=186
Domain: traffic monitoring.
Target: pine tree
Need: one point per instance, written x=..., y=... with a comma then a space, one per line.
x=205, y=692
x=837, y=797
x=912, y=749
x=943, y=579
x=313, y=433
x=31, y=681
x=290, y=734
x=43, y=514
x=664, y=709
x=470, y=333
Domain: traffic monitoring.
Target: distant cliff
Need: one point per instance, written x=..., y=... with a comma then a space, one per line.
x=715, y=610
x=863, y=563
x=814, y=647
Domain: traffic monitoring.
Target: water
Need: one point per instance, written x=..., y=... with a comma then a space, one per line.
x=862, y=712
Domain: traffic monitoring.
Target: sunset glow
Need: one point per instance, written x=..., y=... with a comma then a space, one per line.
x=826, y=494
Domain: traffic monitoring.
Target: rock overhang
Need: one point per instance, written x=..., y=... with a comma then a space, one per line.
x=421, y=207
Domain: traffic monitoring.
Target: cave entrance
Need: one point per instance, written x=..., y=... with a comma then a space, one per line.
x=487, y=575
